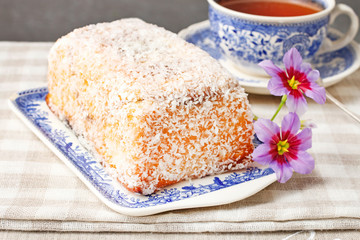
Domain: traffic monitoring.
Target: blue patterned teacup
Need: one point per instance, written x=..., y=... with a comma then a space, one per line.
x=247, y=39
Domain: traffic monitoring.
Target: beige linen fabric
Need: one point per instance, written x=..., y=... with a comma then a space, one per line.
x=295, y=235
x=39, y=193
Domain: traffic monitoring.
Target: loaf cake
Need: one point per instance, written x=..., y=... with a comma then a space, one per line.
x=154, y=109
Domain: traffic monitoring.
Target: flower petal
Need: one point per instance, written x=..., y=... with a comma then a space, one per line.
x=270, y=68
x=296, y=104
x=262, y=154
x=317, y=93
x=290, y=125
x=283, y=171
x=305, y=68
x=313, y=75
x=276, y=87
x=266, y=130
x=305, y=139
x=292, y=59
x=304, y=163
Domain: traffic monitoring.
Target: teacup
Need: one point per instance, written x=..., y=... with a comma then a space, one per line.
x=247, y=39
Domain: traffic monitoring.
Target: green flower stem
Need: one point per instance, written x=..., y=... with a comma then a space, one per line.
x=283, y=100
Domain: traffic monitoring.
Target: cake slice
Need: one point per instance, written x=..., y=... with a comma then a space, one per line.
x=154, y=109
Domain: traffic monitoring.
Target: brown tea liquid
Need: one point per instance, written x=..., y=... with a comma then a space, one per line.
x=273, y=8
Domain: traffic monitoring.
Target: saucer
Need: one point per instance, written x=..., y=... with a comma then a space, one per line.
x=333, y=66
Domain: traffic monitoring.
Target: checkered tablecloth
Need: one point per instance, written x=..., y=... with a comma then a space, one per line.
x=39, y=194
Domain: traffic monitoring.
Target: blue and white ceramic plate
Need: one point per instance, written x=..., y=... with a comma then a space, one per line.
x=333, y=66
x=31, y=107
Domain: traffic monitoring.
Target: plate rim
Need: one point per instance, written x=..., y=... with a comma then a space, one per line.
x=193, y=202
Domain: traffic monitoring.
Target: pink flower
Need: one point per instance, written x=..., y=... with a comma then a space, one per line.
x=284, y=149
x=298, y=79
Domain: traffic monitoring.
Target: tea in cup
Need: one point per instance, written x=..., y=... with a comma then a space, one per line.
x=250, y=31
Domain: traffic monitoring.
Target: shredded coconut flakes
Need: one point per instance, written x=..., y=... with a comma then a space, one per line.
x=157, y=109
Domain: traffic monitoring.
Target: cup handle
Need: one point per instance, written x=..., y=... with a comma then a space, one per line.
x=329, y=45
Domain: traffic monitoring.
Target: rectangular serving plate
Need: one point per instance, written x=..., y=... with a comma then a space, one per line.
x=31, y=108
